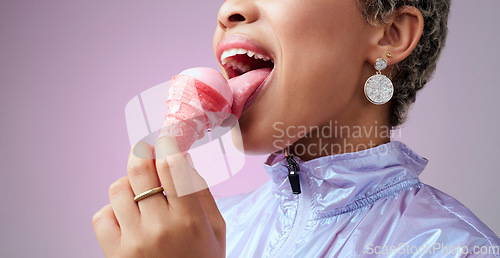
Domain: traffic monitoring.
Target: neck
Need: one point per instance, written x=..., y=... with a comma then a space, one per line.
x=337, y=138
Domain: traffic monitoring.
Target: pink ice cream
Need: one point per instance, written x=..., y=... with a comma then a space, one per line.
x=199, y=99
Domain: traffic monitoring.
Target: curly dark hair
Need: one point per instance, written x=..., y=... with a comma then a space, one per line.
x=411, y=74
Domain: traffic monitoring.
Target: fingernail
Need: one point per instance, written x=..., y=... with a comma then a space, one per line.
x=166, y=146
x=142, y=150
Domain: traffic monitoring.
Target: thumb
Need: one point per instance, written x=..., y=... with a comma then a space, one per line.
x=189, y=160
x=198, y=183
x=203, y=192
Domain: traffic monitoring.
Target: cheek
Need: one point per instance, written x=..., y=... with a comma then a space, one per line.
x=320, y=56
x=315, y=79
x=319, y=82
x=218, y=34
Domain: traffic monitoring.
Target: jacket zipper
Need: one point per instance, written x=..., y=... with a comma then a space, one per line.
x=293, y=176
x=303, y=209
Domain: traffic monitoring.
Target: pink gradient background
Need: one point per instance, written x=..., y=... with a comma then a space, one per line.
x=68, y=68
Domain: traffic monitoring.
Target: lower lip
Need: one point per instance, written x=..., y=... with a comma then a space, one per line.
x=257, y=91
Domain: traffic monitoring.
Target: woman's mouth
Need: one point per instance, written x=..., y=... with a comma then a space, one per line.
x=248, y=67
x=238, y=61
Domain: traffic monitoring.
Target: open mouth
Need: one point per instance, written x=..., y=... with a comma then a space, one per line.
x=238, y=61
x=248, y=67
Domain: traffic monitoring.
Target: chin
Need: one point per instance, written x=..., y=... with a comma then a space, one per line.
x=252, y=141
x=254, y=133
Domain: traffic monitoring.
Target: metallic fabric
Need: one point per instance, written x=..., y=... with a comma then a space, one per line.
x=366, y=203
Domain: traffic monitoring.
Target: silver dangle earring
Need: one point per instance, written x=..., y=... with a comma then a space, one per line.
x=379, y=88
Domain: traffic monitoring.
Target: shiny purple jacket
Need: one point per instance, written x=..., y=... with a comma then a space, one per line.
x=367, y=203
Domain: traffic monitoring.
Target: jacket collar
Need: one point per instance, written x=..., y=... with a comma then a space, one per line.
x=339, y=183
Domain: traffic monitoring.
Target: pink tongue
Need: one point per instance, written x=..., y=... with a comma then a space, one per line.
x=244, y=85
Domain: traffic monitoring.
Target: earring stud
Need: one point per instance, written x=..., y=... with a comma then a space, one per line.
x=389, y=55
x=379, y=88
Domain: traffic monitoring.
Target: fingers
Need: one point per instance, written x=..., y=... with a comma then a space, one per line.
x=176, y=176
x=214, y=216
x=122, y=202
x=201, y=187
x=106, y=228
x=208, y=202
x=143, y=177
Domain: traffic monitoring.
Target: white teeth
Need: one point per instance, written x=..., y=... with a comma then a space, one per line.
x=232, y=52
x=228, y=53
x=226, y=58
x=238, y=66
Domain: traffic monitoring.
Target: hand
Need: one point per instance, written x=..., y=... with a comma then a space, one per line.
x=182, y=223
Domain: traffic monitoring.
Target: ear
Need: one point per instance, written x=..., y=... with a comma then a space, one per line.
x=399, y=36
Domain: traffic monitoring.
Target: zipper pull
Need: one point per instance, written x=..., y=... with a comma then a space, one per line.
x=293, y=168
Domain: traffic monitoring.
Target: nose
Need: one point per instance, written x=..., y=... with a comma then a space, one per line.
x=234, y=12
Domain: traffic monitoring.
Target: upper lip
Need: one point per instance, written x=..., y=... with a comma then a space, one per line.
x=239, y=41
